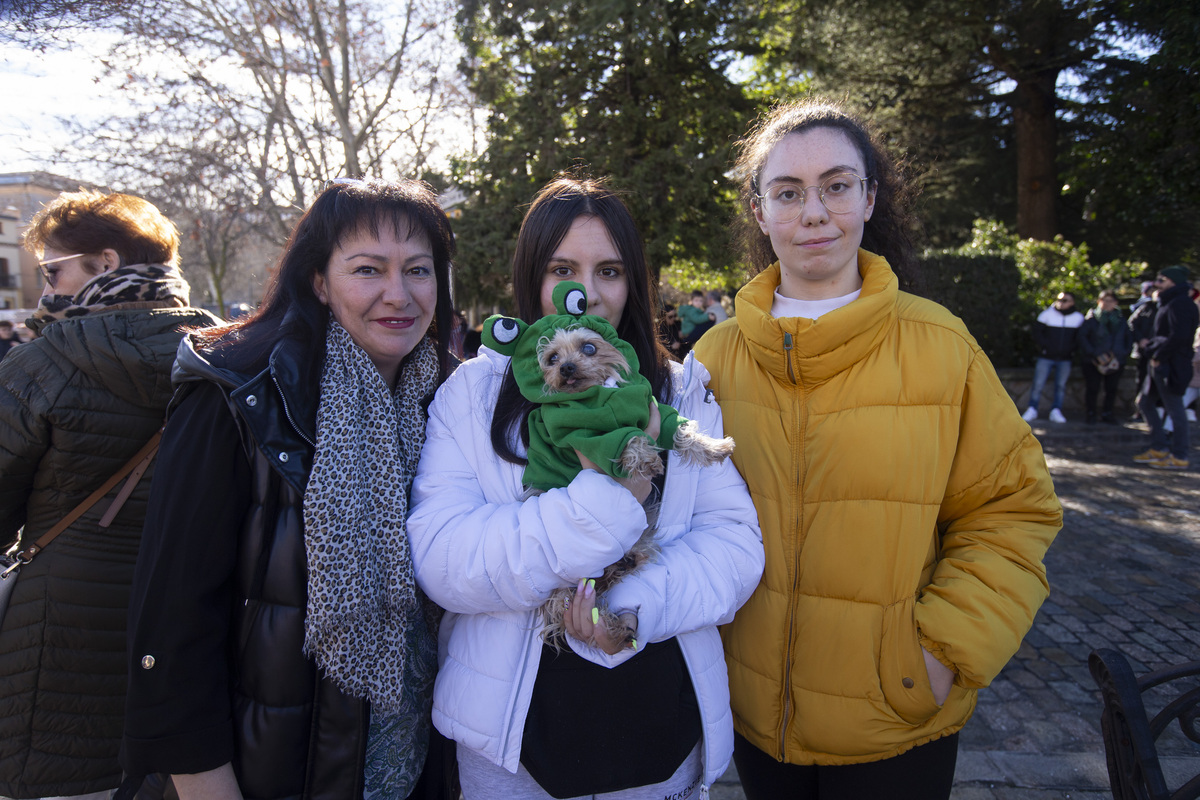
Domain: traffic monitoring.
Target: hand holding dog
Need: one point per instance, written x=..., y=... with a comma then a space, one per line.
x=580, y=622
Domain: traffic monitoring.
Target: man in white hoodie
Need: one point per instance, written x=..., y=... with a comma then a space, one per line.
x=1057, y=335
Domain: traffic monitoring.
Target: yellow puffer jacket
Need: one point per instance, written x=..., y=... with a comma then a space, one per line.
x=904, y=504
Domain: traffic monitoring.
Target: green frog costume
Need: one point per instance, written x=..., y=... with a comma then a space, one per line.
x=598, y=421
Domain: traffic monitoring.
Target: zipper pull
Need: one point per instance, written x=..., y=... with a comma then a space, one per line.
x=787, y=350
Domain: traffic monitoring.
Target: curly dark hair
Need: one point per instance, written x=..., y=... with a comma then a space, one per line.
x=891, y=230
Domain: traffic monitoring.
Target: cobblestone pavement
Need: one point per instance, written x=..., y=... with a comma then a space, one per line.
x=1124, y=573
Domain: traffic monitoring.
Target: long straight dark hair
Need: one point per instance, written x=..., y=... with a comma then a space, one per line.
x=290, y=308
x=549, y=219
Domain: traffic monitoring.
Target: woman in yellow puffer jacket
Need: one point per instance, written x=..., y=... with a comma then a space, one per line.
x=905, y=506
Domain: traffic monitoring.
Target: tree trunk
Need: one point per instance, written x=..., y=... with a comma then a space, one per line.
x=1036, y=140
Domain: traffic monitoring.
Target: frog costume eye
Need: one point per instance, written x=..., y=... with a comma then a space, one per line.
x=570, y=298
x=502, y=333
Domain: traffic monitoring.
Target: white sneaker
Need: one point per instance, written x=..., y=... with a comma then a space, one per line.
x=1057, y=416
x=1030, y=414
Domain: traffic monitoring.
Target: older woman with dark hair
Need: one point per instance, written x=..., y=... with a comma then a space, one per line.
x=77, y=403
x=279, y=644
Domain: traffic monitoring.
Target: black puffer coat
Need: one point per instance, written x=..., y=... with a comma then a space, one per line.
x=217, y=669
x=1170, y=341
x=75, y=405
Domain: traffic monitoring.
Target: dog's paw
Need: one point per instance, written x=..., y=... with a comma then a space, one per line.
x=700, y=449
x=640, y=458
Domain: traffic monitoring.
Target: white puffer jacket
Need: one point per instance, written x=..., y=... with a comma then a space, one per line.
x=492, y=560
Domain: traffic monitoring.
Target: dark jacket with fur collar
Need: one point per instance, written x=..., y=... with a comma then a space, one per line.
x=220, y=593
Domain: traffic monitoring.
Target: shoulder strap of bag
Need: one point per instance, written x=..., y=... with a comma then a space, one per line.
x=134, y=469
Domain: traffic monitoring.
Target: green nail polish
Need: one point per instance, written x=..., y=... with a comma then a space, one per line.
x=635, y=645
x=595, y=616
x=591, y=583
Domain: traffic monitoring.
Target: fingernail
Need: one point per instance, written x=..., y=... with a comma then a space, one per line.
x=579, y=588
x=635, y=645
x=595, y=616
x=591, y=587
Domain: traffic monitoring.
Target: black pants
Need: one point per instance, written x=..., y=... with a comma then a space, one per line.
x=923, y=773
x=1092, y=379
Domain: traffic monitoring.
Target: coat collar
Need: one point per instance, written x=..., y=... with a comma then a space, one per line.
x=297, y=377
x=809, y=352
x=292, y=371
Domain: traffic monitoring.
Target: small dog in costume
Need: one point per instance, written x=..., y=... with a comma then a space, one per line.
x=590, y=396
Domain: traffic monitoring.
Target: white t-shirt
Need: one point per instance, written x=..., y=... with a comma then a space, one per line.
x=809, y=309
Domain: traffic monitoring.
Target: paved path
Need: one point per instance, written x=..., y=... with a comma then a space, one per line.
x=1124, y=573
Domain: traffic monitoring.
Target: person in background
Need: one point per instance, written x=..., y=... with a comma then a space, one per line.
x=1141, y=326
x=714, y=308
x=905, y=507
x=1193, y=390
x=77, y=403
x=1105, y=343
x=693, y=319
x=1147, y=295
x=598, y=718
x=472, y=339
x=669, y=332
x=279, y=645
x=8, y=337
x=1169, y=347
x=1057, y=335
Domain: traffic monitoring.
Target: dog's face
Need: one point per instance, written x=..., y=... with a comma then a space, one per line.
x=573, y=359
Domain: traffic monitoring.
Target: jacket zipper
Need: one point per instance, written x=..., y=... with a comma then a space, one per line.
x=797, y=527
x=287, y=412
x=531, y=640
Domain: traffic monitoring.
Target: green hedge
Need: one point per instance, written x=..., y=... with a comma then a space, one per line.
x=998, y=283
x=984, y=291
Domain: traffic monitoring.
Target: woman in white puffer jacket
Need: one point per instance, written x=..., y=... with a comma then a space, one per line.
x=531, y=722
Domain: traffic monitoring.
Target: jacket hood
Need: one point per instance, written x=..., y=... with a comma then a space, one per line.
x=808, y=351
x=123, y=349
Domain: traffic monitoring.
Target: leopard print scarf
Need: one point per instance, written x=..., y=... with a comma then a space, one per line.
x=362, y=594
x=161, y=285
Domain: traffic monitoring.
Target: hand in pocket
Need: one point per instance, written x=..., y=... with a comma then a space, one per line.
x=941, y=677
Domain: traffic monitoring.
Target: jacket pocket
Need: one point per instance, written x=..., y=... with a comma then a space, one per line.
x=902, y=674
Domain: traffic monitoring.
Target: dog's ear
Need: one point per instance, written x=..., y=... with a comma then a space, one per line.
x=502, y=333
x=570, y=298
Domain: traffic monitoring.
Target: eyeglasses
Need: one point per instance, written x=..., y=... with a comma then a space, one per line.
x=51, y=276
x=840, y=194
